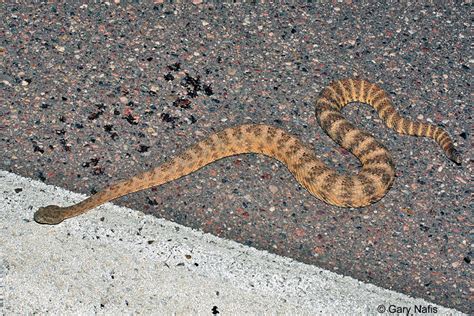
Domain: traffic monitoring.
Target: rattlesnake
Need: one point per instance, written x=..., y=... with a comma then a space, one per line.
x=345, y=190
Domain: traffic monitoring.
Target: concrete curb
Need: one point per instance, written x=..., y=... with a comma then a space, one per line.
x=117, y=260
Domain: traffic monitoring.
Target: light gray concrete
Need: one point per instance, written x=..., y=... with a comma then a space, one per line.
x=115, y=260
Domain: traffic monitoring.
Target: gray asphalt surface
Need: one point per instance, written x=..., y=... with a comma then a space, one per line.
x=95, y=93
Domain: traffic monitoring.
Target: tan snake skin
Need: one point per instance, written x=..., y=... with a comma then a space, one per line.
x=345, y=190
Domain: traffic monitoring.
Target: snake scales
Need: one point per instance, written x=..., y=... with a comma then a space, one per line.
x=345, y=190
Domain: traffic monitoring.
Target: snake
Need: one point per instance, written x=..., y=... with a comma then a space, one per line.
x=367, y=186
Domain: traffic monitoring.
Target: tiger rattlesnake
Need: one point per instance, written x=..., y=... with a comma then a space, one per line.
x=345, y=190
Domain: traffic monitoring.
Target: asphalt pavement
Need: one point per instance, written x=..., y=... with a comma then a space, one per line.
x=98, y=92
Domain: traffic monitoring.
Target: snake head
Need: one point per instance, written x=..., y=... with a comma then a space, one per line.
x=51, y=215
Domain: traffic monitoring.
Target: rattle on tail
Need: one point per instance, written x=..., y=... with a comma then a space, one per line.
x=344, y=190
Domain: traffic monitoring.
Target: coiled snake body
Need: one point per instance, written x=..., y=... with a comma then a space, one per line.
x=345, y=190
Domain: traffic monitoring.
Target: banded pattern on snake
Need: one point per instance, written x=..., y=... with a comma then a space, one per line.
x=345, y=190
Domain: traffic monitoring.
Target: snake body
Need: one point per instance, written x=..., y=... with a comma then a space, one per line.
x=369, y=185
